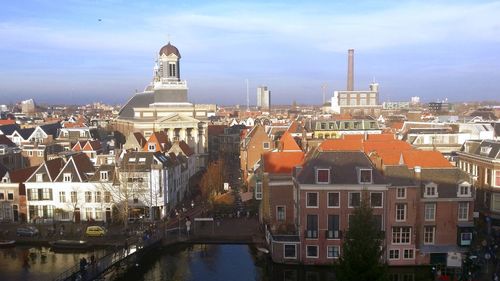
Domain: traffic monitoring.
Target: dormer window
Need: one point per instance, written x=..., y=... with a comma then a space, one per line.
x=104, y=175
x=365, y=176
x=485, y=150
x=66, y=177
x=151, y=147
x=464, y=190
x=430, y=190
x=39, y=177
x=323, y=176
x=131, y=160
x=142, y=160
x=5, y=180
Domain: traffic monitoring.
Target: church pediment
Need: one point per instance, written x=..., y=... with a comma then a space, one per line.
x=174, y=117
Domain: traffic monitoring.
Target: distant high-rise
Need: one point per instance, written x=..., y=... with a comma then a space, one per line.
x=28, y=106
x=263, y=98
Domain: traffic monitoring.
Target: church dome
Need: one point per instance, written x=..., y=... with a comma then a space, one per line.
x=170, y=49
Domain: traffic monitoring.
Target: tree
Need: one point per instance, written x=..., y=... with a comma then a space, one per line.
x=362, y=248
x=212, y=182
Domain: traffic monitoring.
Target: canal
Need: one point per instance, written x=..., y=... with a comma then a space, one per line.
x=182, y=262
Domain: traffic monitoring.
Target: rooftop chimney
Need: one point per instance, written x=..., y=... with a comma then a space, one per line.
x=350, y=70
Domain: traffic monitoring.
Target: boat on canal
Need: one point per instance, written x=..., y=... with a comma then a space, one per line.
x=7, y=243
x=69, y=245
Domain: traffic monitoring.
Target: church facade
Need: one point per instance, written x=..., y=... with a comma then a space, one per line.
x=164, y=106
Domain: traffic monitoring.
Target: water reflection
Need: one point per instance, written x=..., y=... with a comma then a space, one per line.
x=37, y=263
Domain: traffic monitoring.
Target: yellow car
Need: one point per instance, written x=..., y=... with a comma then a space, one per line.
x=95, y=231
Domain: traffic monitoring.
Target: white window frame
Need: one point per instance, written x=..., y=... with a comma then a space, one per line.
x=328, y=251
x=39, y=177
x=462, y=238
x=258, y=194
x=62, y=196
x=381, y=202
x=349, y=198
x=405, y=210
x=266, y=143
x=104, y=175
x=394, y=251
x=328, y=200
x=397, y=192
x=66, y=177
x=433, y=234
x=277, y=213
x=371, y=176
x=295, y=256
x=428, y=187
x=467, y=188
x=307, y=200
x=405, y=251
x=466, y=218
x=151, y=146
x=400, y=235
x=329, y=176
x=433, y=212
x=317, y=252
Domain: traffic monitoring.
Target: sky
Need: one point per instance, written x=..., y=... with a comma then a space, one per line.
x=79, y=51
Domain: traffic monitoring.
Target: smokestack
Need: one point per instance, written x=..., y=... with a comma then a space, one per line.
x=350, y=70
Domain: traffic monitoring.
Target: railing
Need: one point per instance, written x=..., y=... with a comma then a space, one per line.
x=333, y=234
x=311, y=233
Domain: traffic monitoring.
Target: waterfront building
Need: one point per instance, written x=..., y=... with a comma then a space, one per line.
x=13, y=206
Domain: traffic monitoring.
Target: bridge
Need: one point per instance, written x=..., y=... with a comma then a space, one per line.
x=203, y=231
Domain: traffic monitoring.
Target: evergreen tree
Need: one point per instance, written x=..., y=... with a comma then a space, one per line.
x=362, y=248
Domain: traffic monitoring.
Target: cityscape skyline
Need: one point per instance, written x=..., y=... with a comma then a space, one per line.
x=79, y=51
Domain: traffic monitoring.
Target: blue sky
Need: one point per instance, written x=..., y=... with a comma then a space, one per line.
x=59, y=51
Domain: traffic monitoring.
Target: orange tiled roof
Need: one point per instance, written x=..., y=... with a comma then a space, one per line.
x=380, y=137
x=341, y=145
x=413, y=158
x=288, y=143
x=7, y=122
x=393, y=145
x=282, y=162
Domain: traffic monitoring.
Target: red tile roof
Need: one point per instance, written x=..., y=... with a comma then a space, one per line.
x=288, y=143
x=413, y=158
x=7, y=121
x=216, y=129
x=185, y=148
x=21, y=175
x=282, y=162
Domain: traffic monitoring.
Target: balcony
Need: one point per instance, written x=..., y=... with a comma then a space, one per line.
x=333, y=234
x=311, y=234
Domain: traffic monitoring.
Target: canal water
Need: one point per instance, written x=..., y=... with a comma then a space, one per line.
x=26, y=263
x=181, y=262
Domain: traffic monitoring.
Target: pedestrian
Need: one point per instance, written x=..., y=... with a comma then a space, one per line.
x=92, y=259
x=188, y=225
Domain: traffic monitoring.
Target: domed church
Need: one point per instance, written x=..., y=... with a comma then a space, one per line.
x=164, y=106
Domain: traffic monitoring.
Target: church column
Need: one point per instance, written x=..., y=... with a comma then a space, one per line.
x=182, y=134
x=171, y=134
x=194, y=135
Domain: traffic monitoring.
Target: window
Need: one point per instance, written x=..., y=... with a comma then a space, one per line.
x=104, y=175
x=66, y=177
x=258, y=190
x=88, y=213
x=365, y=176
x=98, y=197
x=10, y=196
x=430, y=211
x=408, y=254
x=266, y=145
x=323, y=176
x=487, y=177
x=280, y=213
x=430, y=191
x=132, y=160
x=354, y=199
x=40, y=153
x=333, y=199
x=88, y=196
x=142, y=160
x=312, y=199
x=5, y=180
x=2, y=196
x=62, y=196
x=312, y=251
x=107, y=196
x=464, y=190
x=73, y=197
x=394, y=254
x=333, y=231
x=401, y=212
x=151, y=147
x=463, y=211
x=39, y=177
x=497, y=178
x=333, y=252
x=376, y=199
x=401, y=193
x=47, y=194
x=98, y=214
x=312, y=226
x=429, y=234
x=401, y=235
x=465, y=238
x=290, y=251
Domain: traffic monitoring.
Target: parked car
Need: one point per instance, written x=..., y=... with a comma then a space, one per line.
x=29, y=231
x=94, y=231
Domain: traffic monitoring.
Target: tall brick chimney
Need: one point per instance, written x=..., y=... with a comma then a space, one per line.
x=350, y=70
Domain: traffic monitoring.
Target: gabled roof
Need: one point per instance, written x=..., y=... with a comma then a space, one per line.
x=51, y=129
x=9, y=129
x=51, y=168
x=447, y=180
x=288, y=143
x=282, y=162
x=140, y=138
x=6, y=141
x=341, y=145
x=3, y=170
x=186, y=149
x=25, y=133
x=22, y=175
